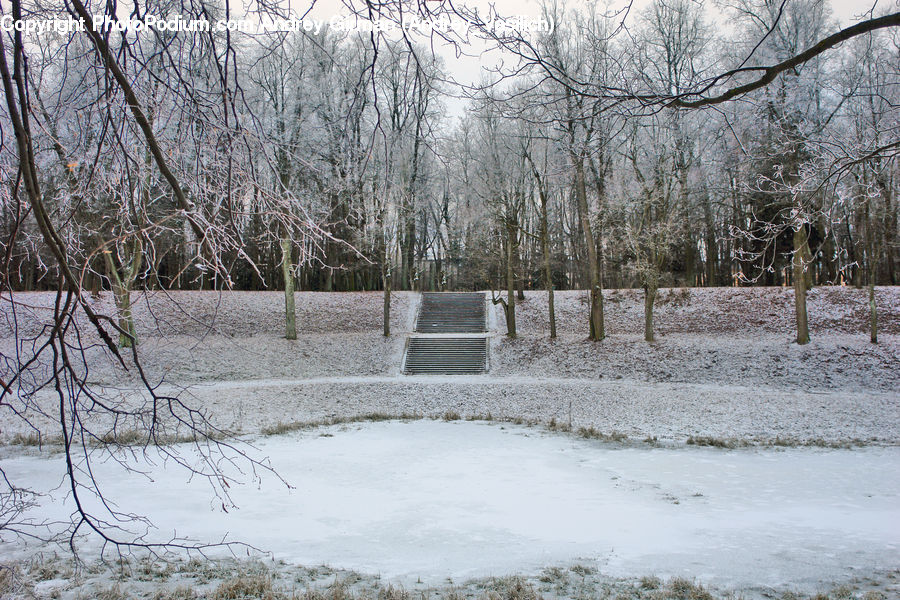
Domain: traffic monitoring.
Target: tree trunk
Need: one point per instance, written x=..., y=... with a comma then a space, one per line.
x=126, y=319
x=806, y=255
x=889, y=239
x=386, y=278
x=872, y=267
x=649, y=299
x=287, y=270
x=520, y=271
x=800, y=280
x=854, y=251
x=121, y=287
x=408, y=241
x=96, y=284
x=510, y=280
x=548, y=273
x=873, y=313
x=712, y=251
x=596, y=318
x=690, y=260
x=545, y=248
x=828, y=259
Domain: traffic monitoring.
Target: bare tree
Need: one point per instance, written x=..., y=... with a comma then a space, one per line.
x=502, y=173
x=544, y=231
x=56, y=364
x=580, y=53
x=858, y=161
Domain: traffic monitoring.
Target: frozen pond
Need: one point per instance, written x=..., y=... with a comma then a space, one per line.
x=434, y=500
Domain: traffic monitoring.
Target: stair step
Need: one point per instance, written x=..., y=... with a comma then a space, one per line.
x=451, y=312
x=446, y=356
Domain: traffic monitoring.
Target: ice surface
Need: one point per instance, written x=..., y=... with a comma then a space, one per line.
x=431, y=500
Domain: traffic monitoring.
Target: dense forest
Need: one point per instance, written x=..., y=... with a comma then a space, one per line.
x=595, y=154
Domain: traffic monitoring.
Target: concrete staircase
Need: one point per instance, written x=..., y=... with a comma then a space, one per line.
x=450, y=336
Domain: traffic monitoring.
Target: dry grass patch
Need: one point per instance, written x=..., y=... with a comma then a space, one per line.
x=148, y=569
x=27, y=439
x=685, y=589
x=590, y=433
x=35, y=439
x=179, y=593
x=248, y=587
x=650, y=582
x=716, y=442
x=336, y=591
x=730, y=443
x=113, y=592
x=842, y=592
x=201, y=579
x=125, y=437
x=477, y=417
x=510, y=588
x=47, y=568
x=281, y=428
x=9, y=580
x=118, y=437
x=141, y=437
x=555, y=425
x=392, y=593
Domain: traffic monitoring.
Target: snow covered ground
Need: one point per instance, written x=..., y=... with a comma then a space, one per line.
x=426, y=500
x=724, y=371
x=724, y=365
x=721, y=336
x=732, y=312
